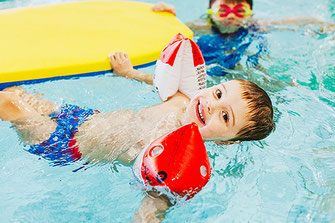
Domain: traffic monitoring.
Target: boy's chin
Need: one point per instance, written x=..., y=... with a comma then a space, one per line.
x=232, y=26
x=228, y=29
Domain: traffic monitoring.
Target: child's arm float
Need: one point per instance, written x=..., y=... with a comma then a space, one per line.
x=177, y=163
x=121, y=65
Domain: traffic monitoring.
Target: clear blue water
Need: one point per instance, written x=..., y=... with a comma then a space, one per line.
x=288, y=177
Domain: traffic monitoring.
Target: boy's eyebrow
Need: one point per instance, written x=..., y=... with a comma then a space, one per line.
x=224, y=87
x=232, y=112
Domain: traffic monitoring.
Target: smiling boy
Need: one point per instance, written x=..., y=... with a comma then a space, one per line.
x=237, y=110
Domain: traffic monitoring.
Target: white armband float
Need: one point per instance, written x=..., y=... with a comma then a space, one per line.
x=181, y=66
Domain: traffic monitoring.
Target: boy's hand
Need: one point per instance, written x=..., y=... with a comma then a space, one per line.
x=121, y=64
x=163, y=7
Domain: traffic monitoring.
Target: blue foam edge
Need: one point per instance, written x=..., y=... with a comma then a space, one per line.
x=36, y=81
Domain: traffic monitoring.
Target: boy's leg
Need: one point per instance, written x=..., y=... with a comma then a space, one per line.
x=41, y=105
x=13, y=108
x=31, y=126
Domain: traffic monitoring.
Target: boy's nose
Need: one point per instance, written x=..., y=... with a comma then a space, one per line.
x=209, y=107
x=231, y=16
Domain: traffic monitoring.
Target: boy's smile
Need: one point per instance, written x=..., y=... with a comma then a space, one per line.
x=219, y=111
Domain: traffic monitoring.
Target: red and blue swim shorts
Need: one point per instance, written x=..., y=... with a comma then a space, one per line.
x=61, y=148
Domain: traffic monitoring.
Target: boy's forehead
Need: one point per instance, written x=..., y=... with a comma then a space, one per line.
x=232, y=87
x=228, y=83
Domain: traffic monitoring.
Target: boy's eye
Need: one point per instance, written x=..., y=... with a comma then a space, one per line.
x=222, y=10
x=240, y=11
x=225, y=116
x=218, y=93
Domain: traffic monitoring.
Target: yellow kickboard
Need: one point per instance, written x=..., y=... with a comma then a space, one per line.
x=75, y=38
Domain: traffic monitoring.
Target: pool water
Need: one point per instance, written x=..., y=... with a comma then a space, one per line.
x=288, y=177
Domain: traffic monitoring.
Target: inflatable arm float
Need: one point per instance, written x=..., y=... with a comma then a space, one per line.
x=177, y=161
x=181, y=67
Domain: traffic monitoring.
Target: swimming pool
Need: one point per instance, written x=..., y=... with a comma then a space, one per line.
x=288, y=177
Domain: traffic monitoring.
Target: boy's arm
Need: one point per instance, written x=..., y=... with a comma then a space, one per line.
x=153, y=208
x=300, y=22
x=199, y=27
x=121, y=65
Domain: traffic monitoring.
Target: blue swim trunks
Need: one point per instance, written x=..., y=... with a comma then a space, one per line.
x=61, y=148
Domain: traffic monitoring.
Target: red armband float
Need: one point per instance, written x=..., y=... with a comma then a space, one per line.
x=177, y=160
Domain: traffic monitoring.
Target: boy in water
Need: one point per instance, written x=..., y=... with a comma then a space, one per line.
x=237, y=110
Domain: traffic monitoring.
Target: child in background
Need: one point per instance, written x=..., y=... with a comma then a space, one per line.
x=229, y=33
x=227, y=16
x=225, y=35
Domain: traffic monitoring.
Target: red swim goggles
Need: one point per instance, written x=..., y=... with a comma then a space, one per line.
x=224, y=10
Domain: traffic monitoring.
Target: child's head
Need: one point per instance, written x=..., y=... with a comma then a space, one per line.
x=232, y=111
x=229, y=15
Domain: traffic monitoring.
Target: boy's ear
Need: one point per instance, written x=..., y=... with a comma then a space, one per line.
x=226, y=143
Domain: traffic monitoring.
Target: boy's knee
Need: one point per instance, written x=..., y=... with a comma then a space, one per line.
x=8, y=108
x=12, y=107
x=14, y=89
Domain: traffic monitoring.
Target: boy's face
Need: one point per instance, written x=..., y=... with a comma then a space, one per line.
x=230, y=16
x=219, y=111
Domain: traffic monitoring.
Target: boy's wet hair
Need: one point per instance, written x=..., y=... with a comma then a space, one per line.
x=233, y=1
x=260, y=115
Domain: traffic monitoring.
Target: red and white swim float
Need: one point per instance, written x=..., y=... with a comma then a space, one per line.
x=181, y=66
x=177, y=160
